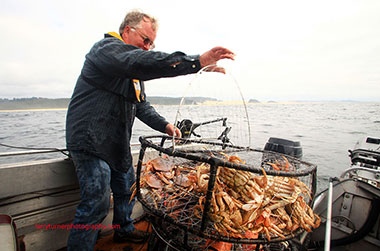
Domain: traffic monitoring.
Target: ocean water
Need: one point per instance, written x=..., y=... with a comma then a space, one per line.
x=326, y=130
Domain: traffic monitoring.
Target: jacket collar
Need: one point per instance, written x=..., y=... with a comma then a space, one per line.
x=114, y=34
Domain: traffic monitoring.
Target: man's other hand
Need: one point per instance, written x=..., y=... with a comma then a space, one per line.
x=212, y=56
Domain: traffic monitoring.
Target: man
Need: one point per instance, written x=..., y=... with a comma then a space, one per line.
x=109, y=93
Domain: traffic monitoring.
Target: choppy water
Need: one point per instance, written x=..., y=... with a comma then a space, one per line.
x=326, y=130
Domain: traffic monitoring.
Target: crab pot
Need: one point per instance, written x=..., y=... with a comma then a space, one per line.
x=209, y=192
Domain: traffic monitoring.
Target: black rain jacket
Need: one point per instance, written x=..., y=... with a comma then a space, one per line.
x=104, y=103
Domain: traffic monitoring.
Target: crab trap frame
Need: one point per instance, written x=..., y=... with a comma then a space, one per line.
x=193, y=203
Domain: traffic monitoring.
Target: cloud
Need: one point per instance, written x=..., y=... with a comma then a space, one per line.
x=286, y=50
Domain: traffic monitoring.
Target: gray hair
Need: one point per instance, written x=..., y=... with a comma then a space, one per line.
x=134, y=19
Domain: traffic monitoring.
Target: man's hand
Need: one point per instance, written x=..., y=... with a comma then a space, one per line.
x=212, y=56
x=169, y=129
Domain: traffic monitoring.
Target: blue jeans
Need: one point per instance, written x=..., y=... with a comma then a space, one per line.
x=96, y=179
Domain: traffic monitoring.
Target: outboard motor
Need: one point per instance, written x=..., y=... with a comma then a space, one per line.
x=366, y=153
x=284, y=146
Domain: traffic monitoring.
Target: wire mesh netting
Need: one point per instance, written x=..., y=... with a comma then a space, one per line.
x=214, y=192
x=219, y=93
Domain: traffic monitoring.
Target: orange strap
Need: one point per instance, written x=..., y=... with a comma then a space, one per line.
x=136, y=82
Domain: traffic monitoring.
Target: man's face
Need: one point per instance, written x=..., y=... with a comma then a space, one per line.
x=142, y=37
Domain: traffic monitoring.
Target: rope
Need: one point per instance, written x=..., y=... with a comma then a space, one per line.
x=37, y=148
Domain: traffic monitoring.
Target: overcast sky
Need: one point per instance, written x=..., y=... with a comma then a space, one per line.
x=285, y=50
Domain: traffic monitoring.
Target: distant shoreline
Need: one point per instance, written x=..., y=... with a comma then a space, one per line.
x=44, y=104
x=33, y=109
x=206, y=103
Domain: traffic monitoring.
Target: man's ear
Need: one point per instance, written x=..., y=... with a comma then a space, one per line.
x=126, y=30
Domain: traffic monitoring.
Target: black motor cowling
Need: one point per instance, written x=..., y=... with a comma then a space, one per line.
x=284, y=146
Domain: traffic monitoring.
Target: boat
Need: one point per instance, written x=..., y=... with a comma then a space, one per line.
x=350, y=207
x=38, y=200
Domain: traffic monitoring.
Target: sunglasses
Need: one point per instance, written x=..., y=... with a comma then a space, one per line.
x=146, y=39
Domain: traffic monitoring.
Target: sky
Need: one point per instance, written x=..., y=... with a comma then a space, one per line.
x=285, y=50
